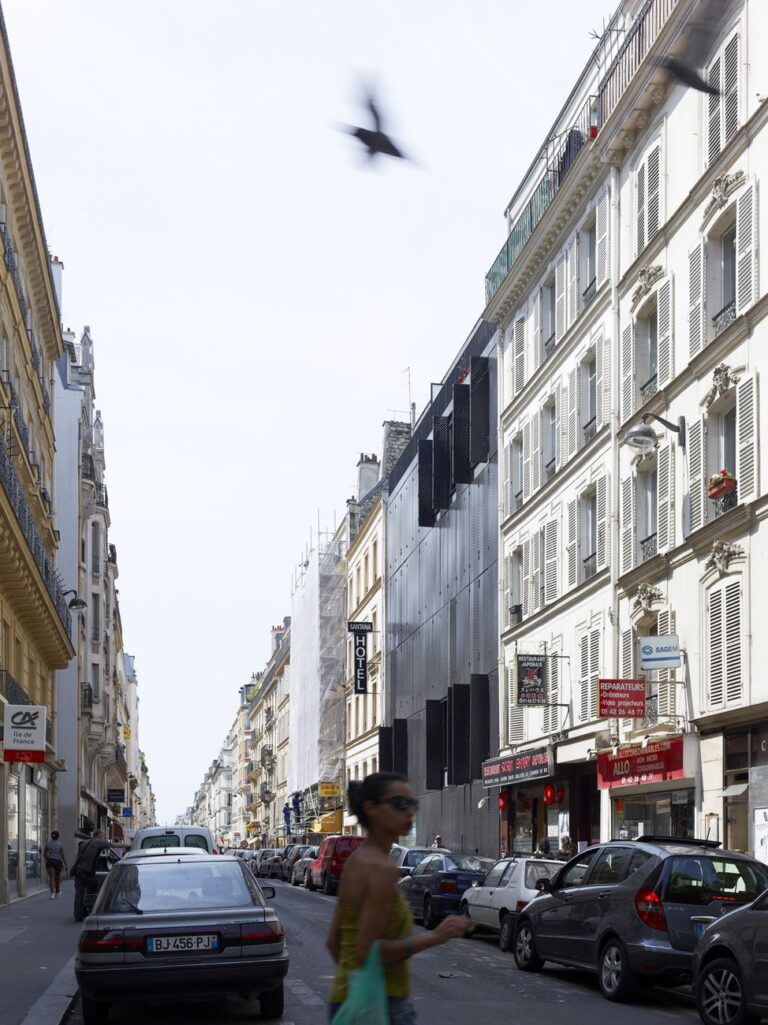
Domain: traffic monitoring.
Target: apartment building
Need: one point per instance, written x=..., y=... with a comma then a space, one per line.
x=630, y=304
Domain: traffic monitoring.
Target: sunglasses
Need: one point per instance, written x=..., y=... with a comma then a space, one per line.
x=402, y=803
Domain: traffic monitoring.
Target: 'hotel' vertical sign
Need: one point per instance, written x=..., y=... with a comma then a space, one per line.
x=360, y=654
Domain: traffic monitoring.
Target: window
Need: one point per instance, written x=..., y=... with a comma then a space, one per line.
x=589, y=248
x=375, y=559
x=517, y=472
x=95, y=549
x=96, y=680
x=95, y=618
x=723, y=107
x=648, y=511
x=611, y=867
x=576, y=871
x=724, y=621
x=550, y=429
x=588, y=518
x=548, y=314
x=493, y=878
x=366, y=575
x=647, y=352
x=588, y=376
x=589, y=669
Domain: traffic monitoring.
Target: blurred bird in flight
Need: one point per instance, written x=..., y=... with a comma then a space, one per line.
x=375, y=139
x=699, y=37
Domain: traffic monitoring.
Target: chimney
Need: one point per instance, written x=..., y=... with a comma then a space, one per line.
x=396, y=436
x=57, y=268
x=367, y=473
x=278, y=632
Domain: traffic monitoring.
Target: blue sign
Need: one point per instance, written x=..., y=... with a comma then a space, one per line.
x=127, y=813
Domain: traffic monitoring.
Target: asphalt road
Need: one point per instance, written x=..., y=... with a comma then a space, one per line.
x=465, y=981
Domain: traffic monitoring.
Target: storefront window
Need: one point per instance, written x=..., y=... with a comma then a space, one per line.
x=32, y=845
x=666, y=813
x=13, y=831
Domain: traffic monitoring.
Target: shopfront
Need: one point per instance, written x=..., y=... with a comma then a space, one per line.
x=532, y=803
x=13, y=827
x=745, y=790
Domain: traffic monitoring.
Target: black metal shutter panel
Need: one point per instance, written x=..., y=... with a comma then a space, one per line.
x=386, y=755
x=426, y=509
x=400, y=746
x=462, y=467
x=479, y=410
x=458, y=734
x=434, y=759
x=479, y=723
x=441, y=462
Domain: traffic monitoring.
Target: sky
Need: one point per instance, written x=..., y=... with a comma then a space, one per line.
x=254, y=291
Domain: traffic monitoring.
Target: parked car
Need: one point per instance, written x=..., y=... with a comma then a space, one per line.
x=435, y=887
x=264, y=856
x=325, y=870
x=627, y=909
x=275, y=863
x=407, y=858
x=497, y=900
x=174, y=836
x=729, y=966
x=290, y=859
x=300, y=870
x=171, y=928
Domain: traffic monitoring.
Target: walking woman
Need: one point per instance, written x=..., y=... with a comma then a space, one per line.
x=55, y=860
x=370, y=907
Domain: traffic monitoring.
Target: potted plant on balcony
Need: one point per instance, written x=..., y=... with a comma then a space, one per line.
x=721, y=484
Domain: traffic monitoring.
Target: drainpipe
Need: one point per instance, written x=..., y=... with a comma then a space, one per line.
x=615, y=417
x=500, y=378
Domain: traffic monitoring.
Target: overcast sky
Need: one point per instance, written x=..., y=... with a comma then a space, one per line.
x=253, y=292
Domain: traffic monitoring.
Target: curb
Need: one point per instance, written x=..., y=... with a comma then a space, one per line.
x=56, y=1002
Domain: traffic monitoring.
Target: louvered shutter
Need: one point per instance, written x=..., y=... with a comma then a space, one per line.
x=551, y=561
x=605, y=397
x=538, y=344
x=572, y=547
x=560, y=304
x=627, y=371
x=746, y=249
x=716, y=689
x=603, y=533
x=665, y=324
x=627, y=524
x=697, y=509
x=594, y=670
x=506, y=583
x=665, y=507
x=574, y=297
x=525, y=597
x=537, y=568
x=627, y=662
x=599, y=381
x=584, y=678
x=714, y=130
x=602, y=249
x=665, y=624
x=563, y=424
x=653, y=194
x=551, y=712
x=697, y=325
x=746, y=438
x=573, y=405
x=526, y=460
x=731, y=90
x=732, y=631
x=516, y=714
x=508, y=479
x=640, y=208
x=558, y=423
x=536, y=452
x=519, y=355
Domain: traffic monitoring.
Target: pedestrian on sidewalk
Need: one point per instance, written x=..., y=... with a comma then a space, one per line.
x=55, y=861
x=84, y=869
x=370, y=907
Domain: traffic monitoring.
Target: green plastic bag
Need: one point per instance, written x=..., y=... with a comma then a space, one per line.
x=366, y=1002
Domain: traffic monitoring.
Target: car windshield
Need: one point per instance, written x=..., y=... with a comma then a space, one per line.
x=469, y=863
x=535, y=870
x=161, y=840
x=413, y=858
x=176, y=886
x=195, y=840
x=698, y=880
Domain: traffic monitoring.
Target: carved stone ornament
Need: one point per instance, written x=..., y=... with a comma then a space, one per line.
x=612, y=157
x=657, y=94
x=648, y=277
x=647, y=595
x=723, y=379
x=627, y=140
x=641, y=119
x=722, y=187
x=721, y=555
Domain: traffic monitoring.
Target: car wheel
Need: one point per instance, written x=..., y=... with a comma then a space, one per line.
x=616, y=978
x=308, y=882
x=720, y=994
x=430, y=917
x=272, y=1003
x=526, y=956
x=507, y=932
x=328, y=887
x=94, y=1013
x=294, y=880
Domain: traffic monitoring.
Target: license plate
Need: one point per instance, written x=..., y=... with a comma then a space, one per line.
x=173, y=944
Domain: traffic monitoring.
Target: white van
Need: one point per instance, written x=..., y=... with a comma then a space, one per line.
x=174, y=836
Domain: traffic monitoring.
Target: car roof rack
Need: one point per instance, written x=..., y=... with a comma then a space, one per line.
x=680, y=841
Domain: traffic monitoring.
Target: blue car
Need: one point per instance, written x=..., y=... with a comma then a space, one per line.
x=435, y=887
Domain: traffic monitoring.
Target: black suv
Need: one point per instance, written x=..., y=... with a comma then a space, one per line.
x=632, y=908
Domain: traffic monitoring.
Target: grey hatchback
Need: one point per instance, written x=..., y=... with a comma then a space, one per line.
x=629, y=908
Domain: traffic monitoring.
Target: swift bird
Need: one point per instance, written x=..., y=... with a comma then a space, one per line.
x=375, y=139
x=701, y=33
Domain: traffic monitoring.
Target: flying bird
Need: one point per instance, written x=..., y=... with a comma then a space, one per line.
x=700, y=35
x=375, y=139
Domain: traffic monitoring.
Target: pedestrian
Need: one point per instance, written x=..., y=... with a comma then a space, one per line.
x=566, y=851
x=55, y=861
x=84, y=870
x=437, y=842
x=543, y=850
x=370, y=907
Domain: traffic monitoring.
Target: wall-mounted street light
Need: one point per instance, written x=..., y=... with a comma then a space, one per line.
x=643, y=439
x=76, y=604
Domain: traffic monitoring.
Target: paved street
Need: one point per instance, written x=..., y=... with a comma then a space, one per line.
x=484, y=987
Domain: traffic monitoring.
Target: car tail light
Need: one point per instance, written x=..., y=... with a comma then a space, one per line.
x=650, y=909
x=448, y=886
x=260, y=932
x=522, y=904
x=108, y=941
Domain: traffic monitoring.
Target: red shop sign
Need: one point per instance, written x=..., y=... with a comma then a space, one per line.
x=655, y=763
x=620, y=699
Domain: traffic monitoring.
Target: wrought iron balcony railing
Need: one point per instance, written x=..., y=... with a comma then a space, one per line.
x=589, y=292
x=727, y=502
x=590, y=428
x=10, y=263
x=549, y=469
x=649, y=389
x=590, y=565
x=11, y=690
x=102, y=498
x=725, y=317
x=86, y=697
x=648, y=547
x=549, y=346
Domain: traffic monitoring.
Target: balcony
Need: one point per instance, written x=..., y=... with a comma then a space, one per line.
x=86, y=698
x=648, y=547
x=120, y=760
x=590, y=429
x=589, y=566
x=11, y=690
x=549, y=346
x=726, y=503
x=649, y=389
x=726, y=316
x=517, y=501
x=549, y=469
x=102, y=498
x=10, y=263
x=589, y=292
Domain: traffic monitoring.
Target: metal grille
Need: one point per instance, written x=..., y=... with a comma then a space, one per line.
x=479, y=725
x=426, y=508
x=441, y=462
x=462, y=468
x=479, y=410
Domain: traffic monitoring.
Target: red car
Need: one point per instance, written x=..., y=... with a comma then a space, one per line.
x=325, y=871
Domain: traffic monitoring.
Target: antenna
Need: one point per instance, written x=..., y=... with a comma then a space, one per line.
x=408, y=372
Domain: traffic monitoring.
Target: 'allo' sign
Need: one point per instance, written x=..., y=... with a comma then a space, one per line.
x=659, y=761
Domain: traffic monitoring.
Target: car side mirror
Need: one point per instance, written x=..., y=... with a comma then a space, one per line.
x=475, y=882
x=268, y=892
x=543, y=885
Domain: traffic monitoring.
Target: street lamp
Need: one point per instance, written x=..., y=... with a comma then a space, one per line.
x=642, y=438
x=76, y=604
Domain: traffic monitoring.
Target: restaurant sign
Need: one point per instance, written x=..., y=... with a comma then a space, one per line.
x=660, y=761
x=519, y=768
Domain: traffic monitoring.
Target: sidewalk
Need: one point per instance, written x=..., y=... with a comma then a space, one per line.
x=38, y=939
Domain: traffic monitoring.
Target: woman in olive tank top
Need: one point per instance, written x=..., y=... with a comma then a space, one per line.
x=370, y=906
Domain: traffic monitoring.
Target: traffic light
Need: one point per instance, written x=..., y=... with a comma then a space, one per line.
x=503, y=800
